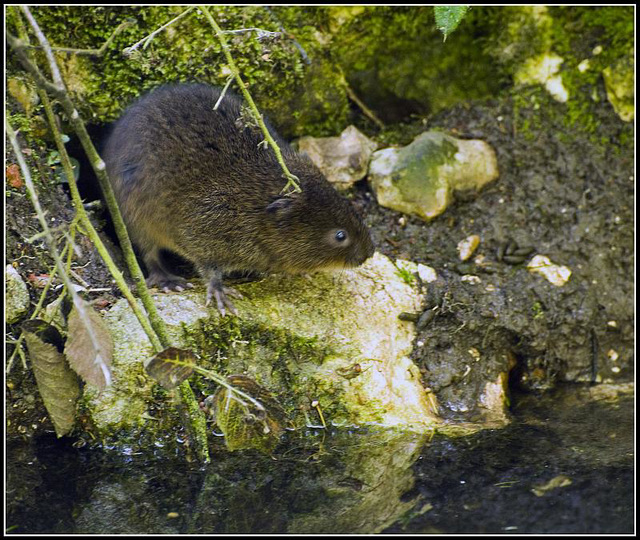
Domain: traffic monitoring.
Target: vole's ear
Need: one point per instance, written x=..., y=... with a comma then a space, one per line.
x=281, y=205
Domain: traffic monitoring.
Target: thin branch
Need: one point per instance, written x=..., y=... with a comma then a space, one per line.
x=262, y=34
x=19, y=48
x=55, y=72
x=18, y=345
x=224, y=91
x=93, y=52
x=353, y=97
x=90, y=230
x=292, y=185
x=195, y=418
x=297, y=45
x=146, y=40
x=366, y=110
x=77, y=301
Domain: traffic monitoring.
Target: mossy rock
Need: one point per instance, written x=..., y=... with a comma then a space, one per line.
x=325, y=359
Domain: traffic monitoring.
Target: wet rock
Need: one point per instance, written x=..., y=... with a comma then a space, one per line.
x=17, y=295
x=343, y=160
x=343, y=362
x=420, y=178
x=494, y=401
x=426, y=273
x=619, y=82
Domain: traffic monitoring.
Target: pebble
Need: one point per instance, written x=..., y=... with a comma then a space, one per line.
x=467, y=246
x=555, y=274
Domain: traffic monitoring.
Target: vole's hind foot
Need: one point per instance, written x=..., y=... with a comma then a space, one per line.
x=167, y=282
x=220, y=293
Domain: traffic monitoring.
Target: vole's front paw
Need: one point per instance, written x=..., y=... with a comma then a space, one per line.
x=167, y=282
x=219, y=292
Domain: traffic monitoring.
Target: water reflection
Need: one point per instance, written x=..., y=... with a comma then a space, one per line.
x=358, y=481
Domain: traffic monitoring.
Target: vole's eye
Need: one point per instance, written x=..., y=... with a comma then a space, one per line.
x=341, y=236
x=338, y=238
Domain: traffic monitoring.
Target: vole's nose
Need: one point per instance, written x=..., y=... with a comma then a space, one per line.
x=366, y=250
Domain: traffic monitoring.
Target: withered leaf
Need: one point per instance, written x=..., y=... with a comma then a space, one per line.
x=45, y=331
x=168, y=366
x=57, y=383
x=13, y=176
x=89, y=347
x=244, y=424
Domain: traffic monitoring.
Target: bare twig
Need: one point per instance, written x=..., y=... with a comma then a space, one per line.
x=224, y=91
x=19, y=48
x=366, y=110
x=55, y=72
x=353, y=97
x=93, y=52
x=18, y=344
x=261, y=33
x=292, y=185
x=77, y=301
x=146, y=40
x=92, y=233
x=195, y=416
x=303, y=53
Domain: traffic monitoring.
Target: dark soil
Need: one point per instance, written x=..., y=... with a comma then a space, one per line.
x=563, y=195
x=34, y=263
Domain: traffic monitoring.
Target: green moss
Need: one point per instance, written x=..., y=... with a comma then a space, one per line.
x=188, y=51
x=537, y=310
x=406, y=275
x=397, y=54
x=514, y=34
x=228, y=345
x=517, y=34
x=392, y=57
x=577, y=32
x=330, y=406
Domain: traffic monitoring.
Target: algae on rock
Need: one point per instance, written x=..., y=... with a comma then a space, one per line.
x=16, y=294
x=619, y=82
x=420, y=178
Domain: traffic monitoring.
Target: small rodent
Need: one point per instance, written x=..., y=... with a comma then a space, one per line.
x=198, y=182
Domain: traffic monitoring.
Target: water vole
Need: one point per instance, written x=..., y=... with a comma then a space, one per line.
x=197, y=181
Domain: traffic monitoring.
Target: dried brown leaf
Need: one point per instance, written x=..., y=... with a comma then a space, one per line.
x=39, y=281
x=57, y=383
x=89, y=347
x=13, y=176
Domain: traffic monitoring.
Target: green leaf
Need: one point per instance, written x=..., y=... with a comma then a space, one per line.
x=57, y=383
x=448, y=18
x=61, y=176
x=171, y=367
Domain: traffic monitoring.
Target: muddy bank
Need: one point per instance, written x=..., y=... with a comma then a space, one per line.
x=562, y=192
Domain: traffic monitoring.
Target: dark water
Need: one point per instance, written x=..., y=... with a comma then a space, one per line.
x=358, y=481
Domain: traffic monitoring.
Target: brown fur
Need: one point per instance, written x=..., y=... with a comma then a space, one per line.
x=195, y=181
